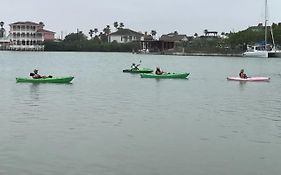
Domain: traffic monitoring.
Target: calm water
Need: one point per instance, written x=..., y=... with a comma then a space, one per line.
x=111, y=123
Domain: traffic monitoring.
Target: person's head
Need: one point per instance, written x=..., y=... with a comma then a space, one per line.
x=242, y=70
x=35, y=71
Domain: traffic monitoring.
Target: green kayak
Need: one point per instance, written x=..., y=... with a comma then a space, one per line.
x=45, y=80
x=166, y=75
x=139, y=70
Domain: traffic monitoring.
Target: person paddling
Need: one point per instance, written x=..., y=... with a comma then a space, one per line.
x=134, y=66
x=158, y=71
x=242, y=74
x=35, y=75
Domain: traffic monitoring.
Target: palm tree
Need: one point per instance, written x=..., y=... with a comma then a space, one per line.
x=1, y=24
x=176, y=33
x=41, y=24
x=107, y=30
x=206, y=32
x=91, y=32
x=153, y=33
x=96, y=31
x=121, y=25
x=2, y=30
x=116, y=24
x=196, y=35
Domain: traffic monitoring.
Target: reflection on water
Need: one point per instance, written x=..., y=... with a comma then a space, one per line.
x=242, y=85
x=34, y=93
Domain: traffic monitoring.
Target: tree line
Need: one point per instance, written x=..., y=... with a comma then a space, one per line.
x=223, y=43
x=256, y=34
x=99, y=41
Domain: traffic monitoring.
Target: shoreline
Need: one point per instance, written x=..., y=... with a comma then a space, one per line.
x=204, y=54
x=151, y=53
x=196, y=54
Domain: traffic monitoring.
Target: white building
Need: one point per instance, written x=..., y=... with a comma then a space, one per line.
x=25, y=36
x=125, y=36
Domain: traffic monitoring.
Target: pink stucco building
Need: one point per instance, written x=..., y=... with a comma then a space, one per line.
x=47, y=34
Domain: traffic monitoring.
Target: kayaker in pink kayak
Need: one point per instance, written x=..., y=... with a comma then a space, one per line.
x=35, y=75
x=242, y=74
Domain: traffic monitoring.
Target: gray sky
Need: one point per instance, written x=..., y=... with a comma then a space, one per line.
x=185, y=16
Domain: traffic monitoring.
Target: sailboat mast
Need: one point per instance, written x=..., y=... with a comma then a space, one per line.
x=265, y=24
x=273, y=41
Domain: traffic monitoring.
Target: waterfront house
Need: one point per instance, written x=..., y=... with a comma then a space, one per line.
x=125, y=36
x=174, y=37
x=165, y=43
x=148, y=44
x=29, y=36
x=169, y=41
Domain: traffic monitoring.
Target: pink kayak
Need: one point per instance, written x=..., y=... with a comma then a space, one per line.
x=249, y=79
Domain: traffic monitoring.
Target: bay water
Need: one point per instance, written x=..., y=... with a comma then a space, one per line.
x=107, y=122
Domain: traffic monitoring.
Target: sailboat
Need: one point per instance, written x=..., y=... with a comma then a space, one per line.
x=274, y=52
x=264, y=50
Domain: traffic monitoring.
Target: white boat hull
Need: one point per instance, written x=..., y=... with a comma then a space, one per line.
x=274, y=54
x=258, y=54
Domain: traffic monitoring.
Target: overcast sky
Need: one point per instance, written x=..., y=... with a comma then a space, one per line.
x=184, y=16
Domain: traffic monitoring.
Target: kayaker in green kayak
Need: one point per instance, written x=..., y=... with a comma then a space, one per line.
x=134, y=66
x=158, y=71
x=35, y=75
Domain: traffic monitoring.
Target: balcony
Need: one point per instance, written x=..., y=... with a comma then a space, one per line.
x=26, y=38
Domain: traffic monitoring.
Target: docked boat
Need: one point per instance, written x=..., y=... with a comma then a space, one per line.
x=249, y=79
x=168, y=75
x=45, y=80
x=274, y=54
x=139, y=70
x=254, y=51
x=261, y=51
x=264, y=50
